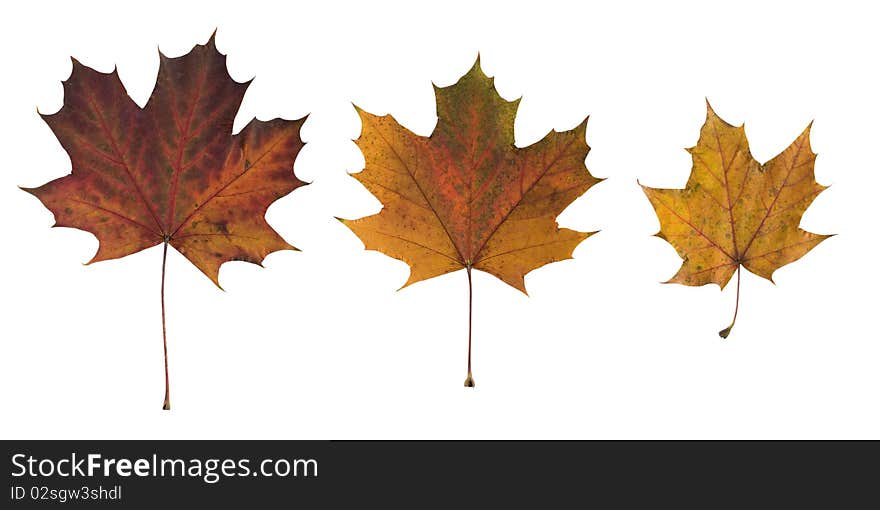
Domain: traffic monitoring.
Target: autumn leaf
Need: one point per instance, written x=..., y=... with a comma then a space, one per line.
x=735, y=212
x=171, y=173
x=466, y=197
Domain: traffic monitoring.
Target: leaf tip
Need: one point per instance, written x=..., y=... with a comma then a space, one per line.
x=363, y=115
x=214, y=276
x=476, y=70
x=411, y=279
x=768, y=277
x=211, y=43
x=302, y=120
x=805, y=134
x=580, y=129
x=75, y=67
x=712, y=116
x=514, y=102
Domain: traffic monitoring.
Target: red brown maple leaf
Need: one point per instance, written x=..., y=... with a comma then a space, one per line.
x=171, y=173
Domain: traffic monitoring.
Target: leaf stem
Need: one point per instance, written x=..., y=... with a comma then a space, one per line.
x=167, y=405
x=726, y=331
x=469, y=382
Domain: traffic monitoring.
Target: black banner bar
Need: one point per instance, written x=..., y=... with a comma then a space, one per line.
x=462, y=474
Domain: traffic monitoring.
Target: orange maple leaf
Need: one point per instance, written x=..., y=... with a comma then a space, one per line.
x=466, y=197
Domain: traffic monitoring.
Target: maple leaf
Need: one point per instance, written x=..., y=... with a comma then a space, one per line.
x=735, y=212
x=171, y=173
x=467, y=197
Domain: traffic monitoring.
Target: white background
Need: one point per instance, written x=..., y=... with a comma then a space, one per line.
x=320, y=345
